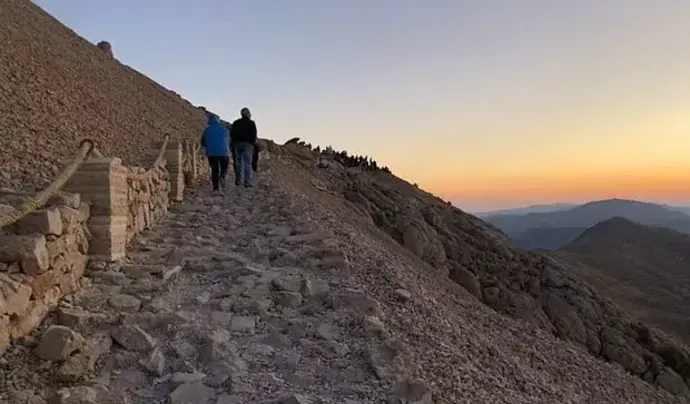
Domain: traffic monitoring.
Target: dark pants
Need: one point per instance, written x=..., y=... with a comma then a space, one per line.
x=219, y=168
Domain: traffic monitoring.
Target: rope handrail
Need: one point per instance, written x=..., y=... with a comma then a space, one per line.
x=156, y=164
x=85, y=148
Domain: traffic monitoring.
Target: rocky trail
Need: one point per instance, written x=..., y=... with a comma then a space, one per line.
x=323, y=284
x=209, y=309
x=267, y=295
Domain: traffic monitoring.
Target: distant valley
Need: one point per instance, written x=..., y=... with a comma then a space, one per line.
x=553, y=227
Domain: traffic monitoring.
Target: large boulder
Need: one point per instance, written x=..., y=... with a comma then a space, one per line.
x=105, y=47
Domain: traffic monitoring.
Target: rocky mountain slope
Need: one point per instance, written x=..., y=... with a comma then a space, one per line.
x=279, y=295
x=391, y=251
x=57, y=88
x=644, y=269
x=528, y=286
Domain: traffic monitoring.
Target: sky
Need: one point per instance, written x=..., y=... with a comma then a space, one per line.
x=487, y=103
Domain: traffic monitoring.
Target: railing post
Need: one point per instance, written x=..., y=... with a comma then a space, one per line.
x=173, y=158
x=102, y=183
x=195, y=168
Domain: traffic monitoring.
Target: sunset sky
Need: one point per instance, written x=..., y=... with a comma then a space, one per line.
x=488, y=103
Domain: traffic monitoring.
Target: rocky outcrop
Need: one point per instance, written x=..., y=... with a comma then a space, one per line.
x=105, y=47
x=521, y=284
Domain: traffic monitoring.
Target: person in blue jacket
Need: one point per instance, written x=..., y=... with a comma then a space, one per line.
x=216, y=142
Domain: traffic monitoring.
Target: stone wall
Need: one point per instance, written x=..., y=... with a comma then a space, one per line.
x=148, y=199
x=102, y=207
x=42, y=258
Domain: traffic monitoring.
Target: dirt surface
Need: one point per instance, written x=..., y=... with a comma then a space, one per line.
x=320, y=285
x=57, y=89
x=281, y=297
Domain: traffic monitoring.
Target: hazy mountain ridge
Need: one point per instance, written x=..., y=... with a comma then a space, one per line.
x=645, y=269
x=553, y=230
x=540, y=208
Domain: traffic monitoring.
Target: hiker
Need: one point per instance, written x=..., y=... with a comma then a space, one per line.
x=244, y=141
x=216, y=142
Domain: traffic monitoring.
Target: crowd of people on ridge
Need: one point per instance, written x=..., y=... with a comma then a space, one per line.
x=221, y=140
x=342, y=157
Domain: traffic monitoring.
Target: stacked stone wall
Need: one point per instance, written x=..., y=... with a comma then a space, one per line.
x=42, y=258
x=101, y=207
x=148, y=199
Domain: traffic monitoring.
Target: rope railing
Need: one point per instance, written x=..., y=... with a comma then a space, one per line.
x=32, y=204
x=145, y=175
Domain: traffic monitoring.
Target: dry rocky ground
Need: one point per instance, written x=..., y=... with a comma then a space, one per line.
x=271, y=295
x=530, y=286
x=57, y=88
x=320, y=285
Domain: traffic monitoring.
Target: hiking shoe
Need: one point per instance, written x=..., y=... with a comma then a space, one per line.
x=221, y=182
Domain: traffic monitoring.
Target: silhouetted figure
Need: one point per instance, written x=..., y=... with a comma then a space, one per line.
x=244, y=135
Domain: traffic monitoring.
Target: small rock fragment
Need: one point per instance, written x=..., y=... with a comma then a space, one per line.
x=403, y=294
x=180, y=377
x=288, y=299
x=327, y=332
x=192, y=393
x=84, y=362
x=203, y=298
x=228, y=399
x=412, y=392
x=75, y=395
x=154, y=362
x=295, y=399
x=243, y=324
x=315, y=287
x=134, y=338
x=288, y=284
x=125, y=303
x=58, y=343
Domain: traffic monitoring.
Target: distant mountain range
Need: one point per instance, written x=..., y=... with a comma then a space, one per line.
x=645, y=269
x=544, y=208
x=560, y=224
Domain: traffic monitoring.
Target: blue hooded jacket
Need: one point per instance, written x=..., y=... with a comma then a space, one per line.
x=216, y=139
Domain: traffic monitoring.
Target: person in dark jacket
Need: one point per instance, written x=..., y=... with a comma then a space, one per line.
x=216, y=142
x=244, y=140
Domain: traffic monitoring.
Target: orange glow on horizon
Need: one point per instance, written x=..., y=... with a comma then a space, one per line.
x=648, y=185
